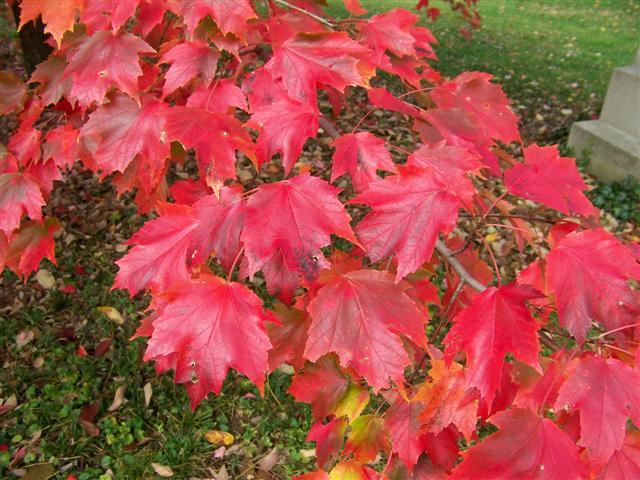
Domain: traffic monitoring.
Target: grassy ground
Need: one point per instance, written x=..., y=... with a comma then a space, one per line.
x=552, y=56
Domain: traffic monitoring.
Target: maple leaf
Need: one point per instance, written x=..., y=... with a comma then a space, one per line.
x=474, y=93
x=188, y=60
x=329, y=439
x=57, y=16
x=445, y=400
x=550, y=179
x=321, y=384
x=305, y=59
x=12, y=92
x=61, y=146
x=496, y=322
x=121, y=129
x=390, y=31
x=295, y=217
x=25, y=144
x=231, y=16
x=220, y=221
x=19, y=195
x=588, y=272
x=624, y=464
x=450, y=165
x=382, y=98
x=360, y=155
x=606, y=392
x=284, y=125
x=215, y=138
x=288, y=338
x=367, y=437
x=218, y=97
x=211, y=325
x=354, y=7
x=189, y=191
x=159, y=257
x=360, y=316
x=407, y=213
x=527, y=446
x=28, y=246
x=104, y=60
x=408, y=441
x=108, y=14
x=50, y=75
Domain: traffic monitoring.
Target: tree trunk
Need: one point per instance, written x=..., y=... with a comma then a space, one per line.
x=32, y=41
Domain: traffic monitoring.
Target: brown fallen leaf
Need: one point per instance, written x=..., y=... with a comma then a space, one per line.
x=218, y=437
x=162, y=470
x=41, y=471
x=269, y=460
x=118, y=398
x=87, y=414
x=148, y=391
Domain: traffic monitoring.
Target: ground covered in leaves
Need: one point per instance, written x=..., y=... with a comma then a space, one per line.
x=75, y=396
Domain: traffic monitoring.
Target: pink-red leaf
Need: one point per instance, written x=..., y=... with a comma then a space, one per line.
x=19, y=195
x=361, y=316
x=188, y=60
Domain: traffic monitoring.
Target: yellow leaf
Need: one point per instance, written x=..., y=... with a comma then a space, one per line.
x=492, y=237
x=352, y=402
x=112, y=314
x=218, y=437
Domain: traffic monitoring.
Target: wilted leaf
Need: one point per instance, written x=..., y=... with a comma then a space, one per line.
x=118, y=398
x=45, y=279
x=148, y=391
x=112, y=314
x=269, y=460
x=162, y=470
x=24, y=337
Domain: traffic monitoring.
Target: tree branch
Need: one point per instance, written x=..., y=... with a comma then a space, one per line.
x=324, y=21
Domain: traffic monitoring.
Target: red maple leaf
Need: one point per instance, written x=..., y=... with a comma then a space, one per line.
x=231, y=16
x=57, y=16
x=606, y=392
x=211, y=325
x=295, y=217
x=588, y=272
x=50, y=75
x=19, y=195
x=496, y=322
x=218, y=97
x=288, y=338
x=407, y=213
x=408, y=441
x=306, y=59
x=550, y=179
x=361, y=316
x=624, y=464
x=29, y=245
x=527, y=446
x=104, y=60
x=121, y=129
x=188, y=60
x=159, y=257
x=360, y=155
x=329, y=439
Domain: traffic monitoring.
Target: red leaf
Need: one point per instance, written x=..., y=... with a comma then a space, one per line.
x=288, y=338
x=284, y=123
x=367, y=437
x=19, y=195
x=361, y=316
x=624, y=464
x=295, y=217
x=321, y=384
x=382, y=98
x=159, y=257
x=360, y=155
x=445, y=400
x=588, y=272
x=496, y=322
x=408, y=212
x=211, y=325
x=329, y=439
x=305, y=59
x=218, y=97
x=231, y=16
x=104, y=60
x=215, y=138
x=53, y=84
x=354, y=7
x=550, y=179
x=526, y=446
x=188, y=60
x=108, y=14
x=408, y=442
x=121, y=129
x=33, y=242
x=12, y=92
x=606, y=392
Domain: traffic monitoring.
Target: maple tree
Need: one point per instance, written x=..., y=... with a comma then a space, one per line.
x=375, y=289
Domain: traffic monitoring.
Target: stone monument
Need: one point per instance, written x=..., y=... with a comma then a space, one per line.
x=614, y=140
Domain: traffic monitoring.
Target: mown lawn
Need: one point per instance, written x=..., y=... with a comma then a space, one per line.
x=61, y=356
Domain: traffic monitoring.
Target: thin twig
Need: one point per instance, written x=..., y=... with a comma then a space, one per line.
x=448, y=257
x=324, y=21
